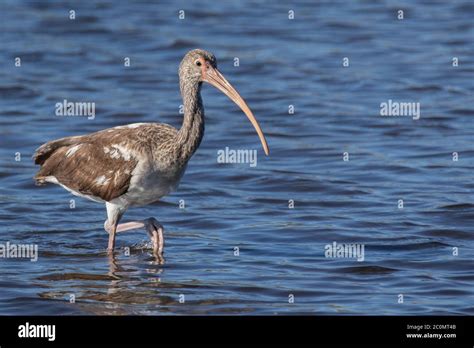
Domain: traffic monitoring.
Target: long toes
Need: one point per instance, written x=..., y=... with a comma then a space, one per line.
x=155, y=231
x=158, y=243
x=153, y=237
x=159, y=258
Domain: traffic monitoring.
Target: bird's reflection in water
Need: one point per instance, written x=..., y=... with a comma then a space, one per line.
x=117, y=271
x=126, y=285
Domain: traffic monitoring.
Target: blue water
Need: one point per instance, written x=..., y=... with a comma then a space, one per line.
x=283, y=62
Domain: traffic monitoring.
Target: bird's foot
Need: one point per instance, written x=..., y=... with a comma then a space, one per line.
x=155, y=231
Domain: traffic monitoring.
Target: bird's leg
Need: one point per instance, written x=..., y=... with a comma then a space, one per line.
x=152, y=226
x=114, y=214
x=155, y=231
x=112, y=231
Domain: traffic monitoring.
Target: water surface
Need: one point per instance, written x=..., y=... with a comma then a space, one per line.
x=283, y=62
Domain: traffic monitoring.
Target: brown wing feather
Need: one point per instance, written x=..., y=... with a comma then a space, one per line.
x=89, y=171
x=85, y=167
x=91, y=165
x=44, y=151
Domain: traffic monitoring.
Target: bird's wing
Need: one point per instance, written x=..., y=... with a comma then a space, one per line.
x=98, y=165
x=43, y=152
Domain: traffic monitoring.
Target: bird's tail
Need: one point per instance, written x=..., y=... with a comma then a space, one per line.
x=39, y=180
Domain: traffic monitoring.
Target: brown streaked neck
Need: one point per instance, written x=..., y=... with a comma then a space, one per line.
x=192, y=130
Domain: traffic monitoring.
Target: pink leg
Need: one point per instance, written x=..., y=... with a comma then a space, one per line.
x=114, y=213
x=132, y=225
x=111, y=245
x=152, y=226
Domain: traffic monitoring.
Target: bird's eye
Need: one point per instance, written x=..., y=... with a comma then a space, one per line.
x=198, y=63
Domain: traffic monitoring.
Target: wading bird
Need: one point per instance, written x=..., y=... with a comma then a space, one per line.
x=137, y=164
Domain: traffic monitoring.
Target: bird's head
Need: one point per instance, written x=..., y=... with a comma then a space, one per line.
x=200, y=66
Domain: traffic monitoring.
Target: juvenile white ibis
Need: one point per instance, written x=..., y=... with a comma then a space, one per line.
x=137, y=164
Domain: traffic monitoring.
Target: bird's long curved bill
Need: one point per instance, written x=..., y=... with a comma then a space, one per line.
x=215, y=78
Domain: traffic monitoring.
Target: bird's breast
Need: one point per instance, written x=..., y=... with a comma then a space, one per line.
x=150, y=182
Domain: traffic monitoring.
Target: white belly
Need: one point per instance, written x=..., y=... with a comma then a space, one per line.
x=148, y=186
